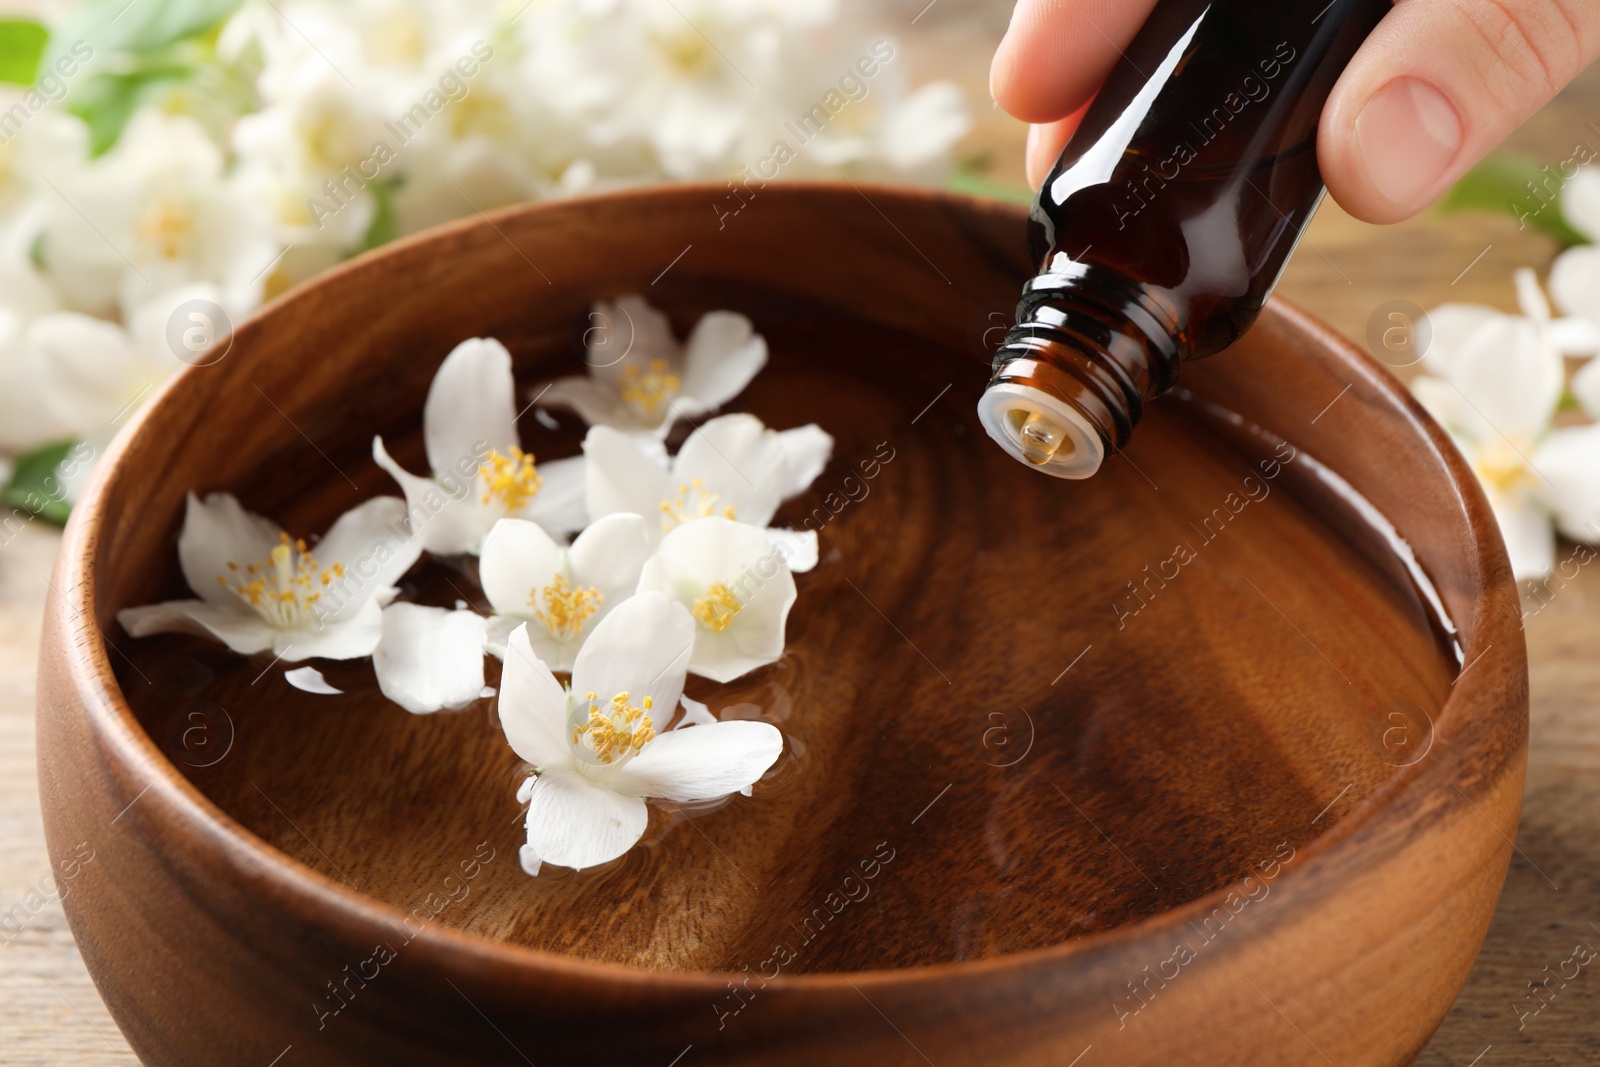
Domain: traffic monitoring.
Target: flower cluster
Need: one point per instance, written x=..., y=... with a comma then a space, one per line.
x=172, y=165
x=1499, y=383
x=671, y=568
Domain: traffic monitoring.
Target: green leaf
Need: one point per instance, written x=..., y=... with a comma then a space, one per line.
x=34, y=486
x=22, y=44
x=107, y=101
x=972, y=184
x=383, y=227
x=137, y=25
x=1523, y=187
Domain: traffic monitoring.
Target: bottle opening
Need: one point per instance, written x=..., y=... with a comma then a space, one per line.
x=1041, y=430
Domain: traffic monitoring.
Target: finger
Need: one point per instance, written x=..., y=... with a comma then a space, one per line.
x=1057, y=52
x=1436, y=86
x=1045, y=142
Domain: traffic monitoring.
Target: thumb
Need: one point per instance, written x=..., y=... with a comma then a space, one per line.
x=1439, y=84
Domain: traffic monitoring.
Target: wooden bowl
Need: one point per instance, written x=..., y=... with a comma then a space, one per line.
x=1217, y=756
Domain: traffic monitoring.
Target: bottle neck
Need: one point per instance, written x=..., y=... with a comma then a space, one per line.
x=1092, y=341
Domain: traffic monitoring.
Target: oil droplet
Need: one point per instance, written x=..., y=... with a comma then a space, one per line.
x=1039, y=437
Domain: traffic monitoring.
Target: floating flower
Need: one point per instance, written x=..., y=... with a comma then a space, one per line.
x=480, y=473
x=736, y=586
x=1495, y=385
x=561, y=593
x=601, y=746
x=732, y=467
x=259, y=589
x=641, y=380
x=430, y=658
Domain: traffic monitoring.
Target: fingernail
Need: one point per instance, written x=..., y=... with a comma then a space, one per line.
x=1408, y=136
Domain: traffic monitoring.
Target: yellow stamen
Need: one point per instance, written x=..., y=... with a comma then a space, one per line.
x=615, y=730
x=687, y=53
x=694, y=501
x=281, y=588
x=164, y=229
x=647, y=391
x=511, y=479
x=1502, y=469
x=566, y=607
x=717, y=608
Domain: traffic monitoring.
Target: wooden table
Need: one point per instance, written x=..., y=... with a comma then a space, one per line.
x=50, y=1013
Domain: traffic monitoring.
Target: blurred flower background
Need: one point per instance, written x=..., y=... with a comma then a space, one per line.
x=168, y=165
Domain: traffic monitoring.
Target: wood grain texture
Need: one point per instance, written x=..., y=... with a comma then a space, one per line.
x=1376, y=920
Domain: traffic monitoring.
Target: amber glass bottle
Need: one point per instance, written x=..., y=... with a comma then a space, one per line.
x=1168, y=218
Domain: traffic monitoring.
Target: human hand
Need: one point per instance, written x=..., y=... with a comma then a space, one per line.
x=1437, y=86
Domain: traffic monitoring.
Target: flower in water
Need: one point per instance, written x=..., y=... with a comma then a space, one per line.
x=601, y=746
x=734, y=583
x=561, y=593
x=732, y=467
x=641, y=380
x=430, y=658
x=260, y=589
x=1495, y=385
x=480, y=472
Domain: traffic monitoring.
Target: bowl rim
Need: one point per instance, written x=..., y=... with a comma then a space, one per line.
x=324, y=901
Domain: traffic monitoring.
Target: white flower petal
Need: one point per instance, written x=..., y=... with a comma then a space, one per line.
x=641, y=648
x=797, y=547
x=310, y=680
x=374, y=545
x=721, y=356
x=1575, y=282
x=1530, y=297
x=218, y=531
x=1574, y=336
x=527, y=858
x=533, y=707
x=594, y=402
x=626, y=333
x=806, y=450
x=1530, y=541
x=741, y=558
x=429, y=658
x=609, y=556
x=700, y=763
x=694, y=714
x=471, y=404
x=1510, y=379
x=1514, y=379
x=448, y=523
x=497, y=633
x=1585, y=386
x=1569, y=465
x=1450, y=327
x=559, y=504
x=574, y=823
x=622, y=477
x=89, y=369
x=244, y=632
x=518, y=559
x=353, y=636
x=740, y=460
x=1580, y=203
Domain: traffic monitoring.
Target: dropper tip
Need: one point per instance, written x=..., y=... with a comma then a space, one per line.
x=1041, y=430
